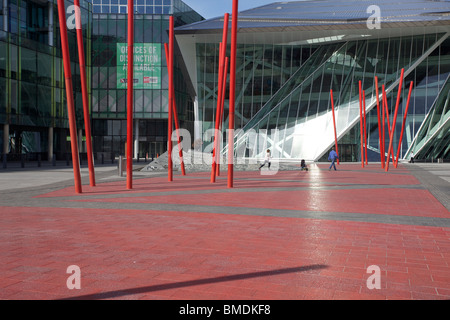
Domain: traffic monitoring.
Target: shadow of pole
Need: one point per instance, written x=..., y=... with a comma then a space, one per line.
x=176, y=285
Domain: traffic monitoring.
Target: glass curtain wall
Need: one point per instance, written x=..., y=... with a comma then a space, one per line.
x=109, y=94
x=262, y=70
x=32, y=94
x=301, y=109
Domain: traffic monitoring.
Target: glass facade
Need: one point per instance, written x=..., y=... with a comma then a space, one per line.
x=32, y=95
x=301, y=109
x=287, y=67
x=109, y=39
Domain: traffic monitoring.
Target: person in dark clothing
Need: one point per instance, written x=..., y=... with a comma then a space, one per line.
x=303, y=165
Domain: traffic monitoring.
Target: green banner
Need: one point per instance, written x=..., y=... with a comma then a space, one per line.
x=147, y=65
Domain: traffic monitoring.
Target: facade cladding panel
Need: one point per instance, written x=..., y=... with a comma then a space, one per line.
x=291, y=54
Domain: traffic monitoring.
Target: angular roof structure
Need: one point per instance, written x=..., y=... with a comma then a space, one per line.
x=323, y=14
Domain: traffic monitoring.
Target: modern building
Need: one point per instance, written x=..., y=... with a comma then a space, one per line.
x=33, y=109
x=291, y=54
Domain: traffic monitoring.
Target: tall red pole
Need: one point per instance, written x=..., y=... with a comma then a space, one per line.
x=171, y=99
x=232, y=93
x=395, y=119
x=361, y=124
x=87, y=120
x=175, y=118
x=216, y=131
x=69, y=94
x=224, y=84
x=130, y=87
x=220, y=94
x=365, y=126
x=334, y=125
x=383, y=141
x=379, y=121
x=403, y=124
x=388, y=123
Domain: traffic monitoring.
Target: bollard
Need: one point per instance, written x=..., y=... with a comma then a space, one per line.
x=54, y=160
x=4, y=161
x=120, y=166
x=103, y=158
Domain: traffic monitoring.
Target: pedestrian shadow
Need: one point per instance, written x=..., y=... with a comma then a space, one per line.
x=190, y=283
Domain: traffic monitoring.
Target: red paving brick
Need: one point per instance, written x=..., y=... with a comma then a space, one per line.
x=163, y=254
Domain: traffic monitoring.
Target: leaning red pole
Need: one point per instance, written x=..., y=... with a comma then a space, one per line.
x=388, y=123
x=361, y=124
x=87, y=120
x=171, y=99
x=216, y=131
x=232, y=93
x=383, y=141
x=69, y=94
x=365, y=126
x=395, y=119
x=175, y=117
x=220, y=94
x=334, y=125
x=130, y=87
x=379, y=121
x=224, y=84
x=403, y=124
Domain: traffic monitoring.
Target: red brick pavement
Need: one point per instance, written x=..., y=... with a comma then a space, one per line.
x=163, y=254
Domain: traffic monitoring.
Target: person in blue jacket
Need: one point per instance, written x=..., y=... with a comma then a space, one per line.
x=333, y=156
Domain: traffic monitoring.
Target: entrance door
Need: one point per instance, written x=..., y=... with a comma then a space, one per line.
x=347, y=153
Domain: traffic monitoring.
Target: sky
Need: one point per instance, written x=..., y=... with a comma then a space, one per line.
x=217, y=8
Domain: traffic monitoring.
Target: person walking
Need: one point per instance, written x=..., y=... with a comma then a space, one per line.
x=333, y=156
x=267, y=159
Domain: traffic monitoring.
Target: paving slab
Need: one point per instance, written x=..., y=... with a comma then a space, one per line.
x=290, y=235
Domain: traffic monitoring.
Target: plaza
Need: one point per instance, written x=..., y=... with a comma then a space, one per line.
x=290, y=236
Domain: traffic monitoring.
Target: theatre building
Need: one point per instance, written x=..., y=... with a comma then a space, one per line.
x=291, y=54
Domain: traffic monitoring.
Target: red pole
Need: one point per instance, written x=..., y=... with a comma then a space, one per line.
x=403, y=124
x=379, y=120
x=87, y=121
x=175, y=116
x=388, y=124
x=232, y=93
x=171, y=99
x=220, y=93
x=334, y=125
x=365, y=126
x=219, y=99
x=69, y=94
x=395, y=120
x=130, y=86
x=383, y=107
x=361, y=124
x=224, y=84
